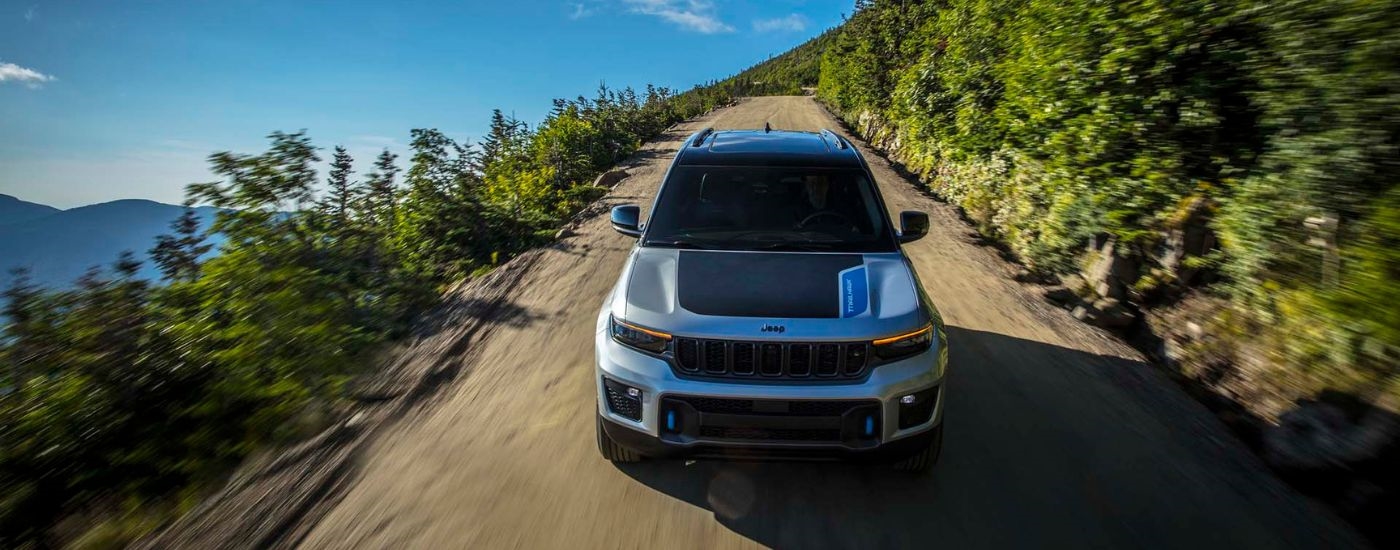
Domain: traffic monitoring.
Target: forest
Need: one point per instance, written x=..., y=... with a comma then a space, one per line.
x=128, y=400
x=1269, y=128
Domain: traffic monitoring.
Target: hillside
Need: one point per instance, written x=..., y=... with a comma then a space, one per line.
x=58, y=246
x=1215, y=181
x=788, y=73
x=13, y=210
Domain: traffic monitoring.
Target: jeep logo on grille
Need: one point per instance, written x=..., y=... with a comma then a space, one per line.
x=773, y=328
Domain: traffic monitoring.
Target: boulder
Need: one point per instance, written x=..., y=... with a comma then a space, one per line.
x=1110, y=273
x=1190, y=236
x=1085, y=313
x=610, y=178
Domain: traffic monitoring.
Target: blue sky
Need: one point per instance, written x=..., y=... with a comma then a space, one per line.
x=101, y=100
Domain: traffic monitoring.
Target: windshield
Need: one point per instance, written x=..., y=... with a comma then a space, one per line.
x=769, y=208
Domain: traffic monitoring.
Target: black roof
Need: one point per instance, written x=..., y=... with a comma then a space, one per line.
x=768, y=148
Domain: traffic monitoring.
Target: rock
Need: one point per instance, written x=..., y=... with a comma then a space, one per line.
x=564, y=233
x=610, y=178
x=1110, y=273
x=1105, y=304
x=1195, y=330
x=1191, y=236
x=1084, y=313
x=1060, y=295
x=1108, y=289
x=1024, y=275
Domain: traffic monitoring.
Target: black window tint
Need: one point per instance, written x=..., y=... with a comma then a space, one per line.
x=769, y=208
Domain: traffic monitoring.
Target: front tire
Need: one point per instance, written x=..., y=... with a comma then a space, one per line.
x=610, y=449
x=928, y=456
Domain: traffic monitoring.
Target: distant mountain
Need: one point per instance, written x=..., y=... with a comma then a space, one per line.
x=58, y=246
x=13, y=210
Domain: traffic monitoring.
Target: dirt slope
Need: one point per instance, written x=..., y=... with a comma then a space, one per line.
x=1057, y=435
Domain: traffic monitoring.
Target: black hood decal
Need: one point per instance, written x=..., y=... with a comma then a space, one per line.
x=755, y=284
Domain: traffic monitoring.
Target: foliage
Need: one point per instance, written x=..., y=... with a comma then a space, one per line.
x=1053, y=121
x=136, y=394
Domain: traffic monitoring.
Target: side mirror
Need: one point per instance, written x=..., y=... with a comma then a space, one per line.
x=624, y=220
x=912, y=226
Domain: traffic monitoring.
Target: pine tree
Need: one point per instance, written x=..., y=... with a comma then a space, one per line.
x=380, y=200
x=340, y=196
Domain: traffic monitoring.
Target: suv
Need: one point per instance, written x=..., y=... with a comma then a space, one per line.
x=768, y=311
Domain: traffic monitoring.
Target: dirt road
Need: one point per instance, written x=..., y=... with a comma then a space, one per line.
x=1057, y=435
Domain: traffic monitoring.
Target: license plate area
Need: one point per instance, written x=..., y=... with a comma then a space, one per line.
x=770, y=422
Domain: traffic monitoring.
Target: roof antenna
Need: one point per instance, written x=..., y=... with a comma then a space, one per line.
x=766, y=127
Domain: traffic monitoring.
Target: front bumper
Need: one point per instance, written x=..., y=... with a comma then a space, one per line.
x=866, y=419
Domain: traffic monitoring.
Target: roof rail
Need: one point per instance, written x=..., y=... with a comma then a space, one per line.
x=700, y=137
x=840, y=143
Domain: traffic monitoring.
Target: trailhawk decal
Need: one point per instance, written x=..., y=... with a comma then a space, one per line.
x=854, y=292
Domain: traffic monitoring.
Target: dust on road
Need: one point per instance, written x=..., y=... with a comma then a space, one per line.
x=1057, y=435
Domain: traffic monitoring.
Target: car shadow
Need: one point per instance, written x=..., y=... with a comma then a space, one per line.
x=1044, y=447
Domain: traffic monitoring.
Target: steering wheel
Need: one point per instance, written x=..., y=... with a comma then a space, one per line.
x=837, y=216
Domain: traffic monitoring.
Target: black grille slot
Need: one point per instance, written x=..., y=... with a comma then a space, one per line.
x=772, y=364
x=714, y=358
x=800, y=360
x=777, y=360
x=688, y=354
x=718, y=405
x=828, y=359
x=743, y=358
x=855, y=359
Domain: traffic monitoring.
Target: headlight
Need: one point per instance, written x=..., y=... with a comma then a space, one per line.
x=905, y=344
x=638, y=337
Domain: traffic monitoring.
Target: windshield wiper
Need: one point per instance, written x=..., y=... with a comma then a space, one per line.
x=795, y=247
x=678, y=243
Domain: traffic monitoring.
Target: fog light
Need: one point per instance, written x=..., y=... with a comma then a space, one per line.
x=917, y=408
x=623, y=400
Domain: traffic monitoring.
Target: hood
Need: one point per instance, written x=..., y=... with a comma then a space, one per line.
x=771, y=295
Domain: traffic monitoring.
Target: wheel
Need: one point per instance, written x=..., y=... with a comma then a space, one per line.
x=926, y=457
x=610, y=449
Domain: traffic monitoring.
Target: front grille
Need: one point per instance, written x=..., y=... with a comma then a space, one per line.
x=771, y=360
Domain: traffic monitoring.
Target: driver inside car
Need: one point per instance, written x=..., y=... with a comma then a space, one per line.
x=816, y=190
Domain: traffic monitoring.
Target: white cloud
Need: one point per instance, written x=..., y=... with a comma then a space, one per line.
x=580, y=11
x=30, y=77
x=792, y=23
x=693, y=15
